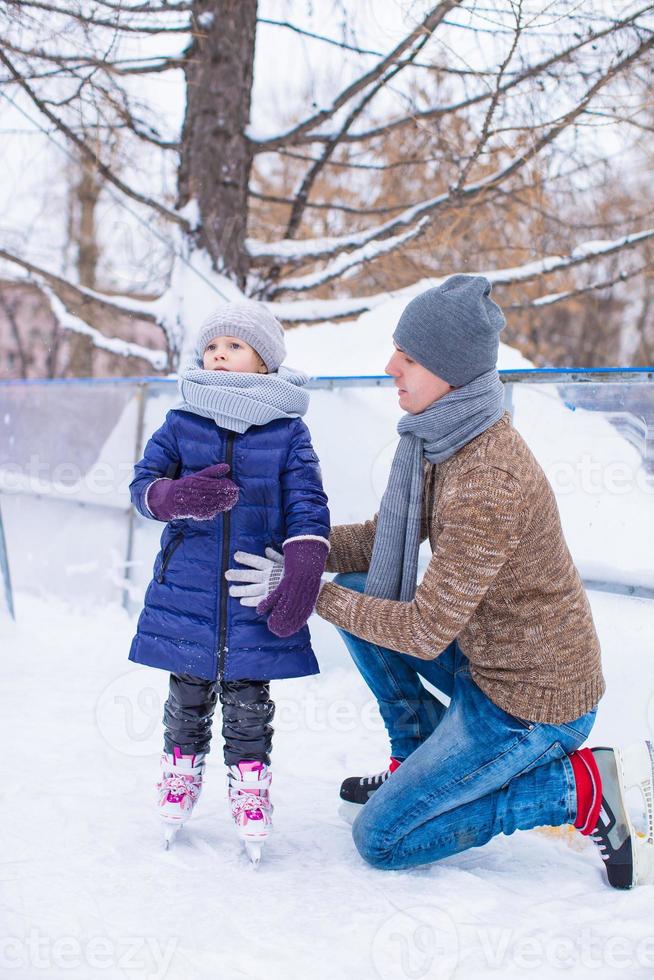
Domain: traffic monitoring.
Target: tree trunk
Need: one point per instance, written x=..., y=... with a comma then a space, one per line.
x=82, y=229
x=216, y=156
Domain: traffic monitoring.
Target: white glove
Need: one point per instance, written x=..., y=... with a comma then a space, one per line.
x=259, y=579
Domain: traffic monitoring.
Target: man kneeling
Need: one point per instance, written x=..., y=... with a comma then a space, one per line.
x=500, y=623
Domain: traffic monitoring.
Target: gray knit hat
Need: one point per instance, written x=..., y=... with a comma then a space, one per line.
x=249, y=321
x=453, y=330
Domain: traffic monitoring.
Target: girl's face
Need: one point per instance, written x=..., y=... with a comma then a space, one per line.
x=232, y=354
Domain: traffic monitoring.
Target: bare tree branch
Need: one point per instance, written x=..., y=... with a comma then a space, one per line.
x=428, y=25
x=165, y=7
x=313, y=172
x=490, y=111
x=124, y=112
x=91, y=21
x=72, y=62
x=379, y=167
x=106, y=172
x=328, y=205
x=296, y=253
x=308, y=137
x=445, y=69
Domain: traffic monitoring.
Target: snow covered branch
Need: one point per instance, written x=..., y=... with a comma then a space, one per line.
x=318, y=311
x=124, y=348
x=294, y=253
x=347, y=261
x=551, y=298
x=82, y=294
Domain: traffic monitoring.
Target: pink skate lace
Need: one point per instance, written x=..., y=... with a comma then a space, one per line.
x=252, y=801
x=252, y=804
x=178, y=789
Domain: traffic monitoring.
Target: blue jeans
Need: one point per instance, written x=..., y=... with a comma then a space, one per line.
x=471, y=770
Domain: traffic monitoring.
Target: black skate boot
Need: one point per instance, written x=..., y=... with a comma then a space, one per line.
x=359, y=789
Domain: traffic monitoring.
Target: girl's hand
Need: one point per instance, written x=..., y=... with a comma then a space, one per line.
x=199, y=496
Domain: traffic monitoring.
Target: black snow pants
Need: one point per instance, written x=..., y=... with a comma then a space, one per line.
x=247, y=716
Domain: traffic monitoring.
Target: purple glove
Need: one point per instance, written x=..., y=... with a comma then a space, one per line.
x=292, y=602
x=200, y=496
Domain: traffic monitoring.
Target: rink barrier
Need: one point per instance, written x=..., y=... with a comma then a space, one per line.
x=509, y=377
x=6, y=596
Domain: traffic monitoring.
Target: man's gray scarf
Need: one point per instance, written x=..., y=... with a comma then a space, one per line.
x=435, y=434
x=236, y=400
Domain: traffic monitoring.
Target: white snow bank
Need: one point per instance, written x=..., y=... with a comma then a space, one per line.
x=362, y=347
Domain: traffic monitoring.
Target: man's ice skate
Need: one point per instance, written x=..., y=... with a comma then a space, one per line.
x=627, y=854
x=179, y=789
x=357, y=790
x=249, y=799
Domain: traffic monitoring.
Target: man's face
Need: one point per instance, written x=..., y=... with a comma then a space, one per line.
x=232, y=354
x=417, y=387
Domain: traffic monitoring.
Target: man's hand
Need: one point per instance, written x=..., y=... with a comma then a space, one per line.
x=259, y=579
x=290, y=605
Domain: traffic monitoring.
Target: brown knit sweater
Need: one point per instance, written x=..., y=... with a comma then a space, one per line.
x=501, y=580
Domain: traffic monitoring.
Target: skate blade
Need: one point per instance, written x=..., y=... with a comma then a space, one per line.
x=637, y=771
x=253, y=849
x=170, y=833
x=349, y=811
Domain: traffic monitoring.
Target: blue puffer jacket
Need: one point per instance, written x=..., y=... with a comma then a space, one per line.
x=190, y=624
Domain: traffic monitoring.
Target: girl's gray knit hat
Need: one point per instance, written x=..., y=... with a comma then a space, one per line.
x=249, y=321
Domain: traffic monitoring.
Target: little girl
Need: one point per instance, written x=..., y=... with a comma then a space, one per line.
x=241, y=414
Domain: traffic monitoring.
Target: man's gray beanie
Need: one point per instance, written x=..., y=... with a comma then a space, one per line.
x=249, y=321
x=453, y=330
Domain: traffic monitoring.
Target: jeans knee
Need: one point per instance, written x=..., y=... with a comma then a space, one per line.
x=368, y=843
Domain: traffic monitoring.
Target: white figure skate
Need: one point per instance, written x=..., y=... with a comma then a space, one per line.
x=179, y=790
x=249, y=800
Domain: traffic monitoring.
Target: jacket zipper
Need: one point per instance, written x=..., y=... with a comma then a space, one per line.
x=224, y=564
x=168, y=554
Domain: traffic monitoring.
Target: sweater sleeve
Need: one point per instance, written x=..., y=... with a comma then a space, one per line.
x=482, y=514
x=351, y=547
x=160, y=459
x=304, y=500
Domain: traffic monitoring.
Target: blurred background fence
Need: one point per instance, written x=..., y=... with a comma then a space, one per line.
x=68, y=448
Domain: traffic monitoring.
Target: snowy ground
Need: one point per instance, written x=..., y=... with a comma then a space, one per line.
x=87, y=889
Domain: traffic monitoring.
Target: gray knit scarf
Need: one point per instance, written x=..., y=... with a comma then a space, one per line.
x=435, y=434
x=236, y=400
